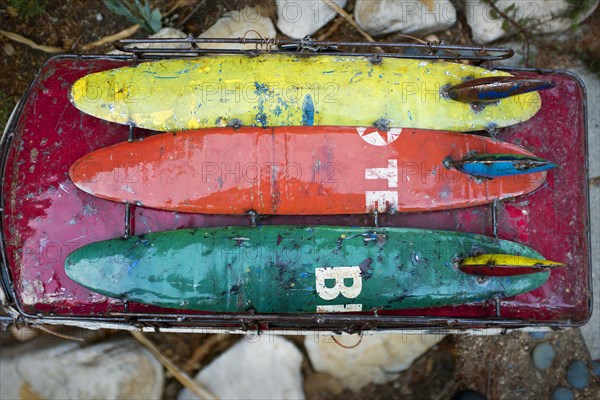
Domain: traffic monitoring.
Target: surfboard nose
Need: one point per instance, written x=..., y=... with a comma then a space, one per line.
x=87, y=174
x=506, y=265
x=106, y=263
x=491, y=166
x=490, y=89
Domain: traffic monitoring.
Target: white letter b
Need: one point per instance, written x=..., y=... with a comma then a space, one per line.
x=338, y=274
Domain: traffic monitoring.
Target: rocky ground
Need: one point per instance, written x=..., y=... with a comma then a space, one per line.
x=107, y=364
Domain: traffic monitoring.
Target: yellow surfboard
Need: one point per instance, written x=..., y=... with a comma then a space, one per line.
x=286, y=90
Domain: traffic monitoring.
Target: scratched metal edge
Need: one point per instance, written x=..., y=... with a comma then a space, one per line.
x=7, y=291
x=256, y=323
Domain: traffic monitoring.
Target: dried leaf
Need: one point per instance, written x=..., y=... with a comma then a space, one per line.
x=180, y=375
x=27, y=393
x=21, y=39
x=112, y=38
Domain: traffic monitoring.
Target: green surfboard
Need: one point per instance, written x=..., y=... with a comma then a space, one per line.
x=290, y=269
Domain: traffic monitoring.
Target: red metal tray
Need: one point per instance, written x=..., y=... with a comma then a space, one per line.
x=45, y=217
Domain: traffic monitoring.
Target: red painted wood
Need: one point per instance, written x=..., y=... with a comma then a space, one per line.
x=297, y=171
x=500, y=270
x=46, y=216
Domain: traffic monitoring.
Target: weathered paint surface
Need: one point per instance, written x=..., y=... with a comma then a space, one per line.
x=505, y=265
x=46, y=217
x=297, y=170
x=288, y=90
x=290, y=269
x=501, y=165
x=482, y=90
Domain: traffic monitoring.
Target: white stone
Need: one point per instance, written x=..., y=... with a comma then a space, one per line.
x=380, y=17
x=298, y=18
x=237, y=24
x=591, y=331
x=257, y=367
x=168, y=33
x=539, y=16
x=119, y=369
x=592, y=84
x=164, y=33
x=377, y=359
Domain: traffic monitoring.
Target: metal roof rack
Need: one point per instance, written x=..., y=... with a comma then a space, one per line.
x=191, y=46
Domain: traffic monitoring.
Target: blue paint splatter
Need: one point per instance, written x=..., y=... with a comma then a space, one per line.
x=409, y=115
x=502, y=168
x=261, y=88
x=132, y=265
x=497, y=94
x=308, y=111
x=262, y=91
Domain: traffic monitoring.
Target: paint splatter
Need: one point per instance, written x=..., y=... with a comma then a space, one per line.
x=366, y=270
x=262, y=91
x=308, y=111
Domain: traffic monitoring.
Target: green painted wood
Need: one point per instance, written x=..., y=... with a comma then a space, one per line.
x=289, y=269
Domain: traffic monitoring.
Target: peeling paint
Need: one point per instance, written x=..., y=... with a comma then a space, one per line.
x=248, y=89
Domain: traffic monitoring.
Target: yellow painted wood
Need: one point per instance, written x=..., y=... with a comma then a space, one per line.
x=284, y=90
x=508, y=260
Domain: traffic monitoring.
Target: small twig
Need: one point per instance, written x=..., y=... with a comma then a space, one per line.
x=352, y=22
x=174, y=8
x=60, y=335
x=360, y=339
x=112, y=38
x=180, y=375
x=331, y=30
x=202, y=351
x=520, y=28
x=412, y=38
x=183, y=21
x=74, y=45
x=22, y=39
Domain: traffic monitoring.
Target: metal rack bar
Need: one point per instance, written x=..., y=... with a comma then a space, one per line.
x=495, y=218
x=308, y=46
x=199, y=321
x=127, y=230
x=129, y=216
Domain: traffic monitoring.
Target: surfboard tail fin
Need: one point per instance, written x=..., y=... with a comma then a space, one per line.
x=506, y=265
x=491, y=166
x=491, y=89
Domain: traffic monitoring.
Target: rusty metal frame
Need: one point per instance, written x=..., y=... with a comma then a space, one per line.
x=308, y=46
x=257, y=323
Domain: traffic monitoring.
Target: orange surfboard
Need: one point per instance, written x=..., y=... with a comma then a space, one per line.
x=297, y=171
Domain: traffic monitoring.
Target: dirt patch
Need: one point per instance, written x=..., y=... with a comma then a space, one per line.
x=502, y=368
